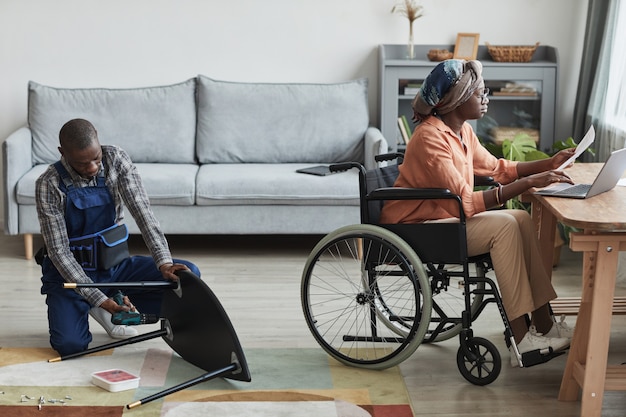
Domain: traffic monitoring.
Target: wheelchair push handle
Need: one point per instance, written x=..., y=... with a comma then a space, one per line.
x=389, y=156
x=344, y=166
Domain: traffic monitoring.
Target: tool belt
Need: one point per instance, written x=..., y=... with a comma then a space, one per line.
x=101, y=250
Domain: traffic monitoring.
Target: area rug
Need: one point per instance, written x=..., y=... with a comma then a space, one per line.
x=285, y=383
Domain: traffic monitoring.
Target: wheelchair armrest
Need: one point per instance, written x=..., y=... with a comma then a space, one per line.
x=481, y=180
x=398, y=193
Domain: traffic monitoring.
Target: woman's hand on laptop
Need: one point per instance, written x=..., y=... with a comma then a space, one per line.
x=543, y=179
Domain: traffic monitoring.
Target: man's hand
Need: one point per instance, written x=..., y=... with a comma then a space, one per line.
x=112, y=307
x=169, y=270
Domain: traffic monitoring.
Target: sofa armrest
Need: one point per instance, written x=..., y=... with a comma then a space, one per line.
x=17, y=161
x=375, y=144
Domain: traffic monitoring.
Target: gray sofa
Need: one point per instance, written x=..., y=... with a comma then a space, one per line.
x=216, y=157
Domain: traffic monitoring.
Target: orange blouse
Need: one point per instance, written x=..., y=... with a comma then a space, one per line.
x=436, y=158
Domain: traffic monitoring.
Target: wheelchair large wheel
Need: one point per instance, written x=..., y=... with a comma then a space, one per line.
x=479, y=361
x=360, y=285
x=449, y=303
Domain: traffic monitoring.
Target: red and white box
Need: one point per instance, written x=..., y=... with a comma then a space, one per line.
x=115, y=380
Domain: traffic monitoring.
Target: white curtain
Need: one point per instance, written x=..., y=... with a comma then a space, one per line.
x=607, y=105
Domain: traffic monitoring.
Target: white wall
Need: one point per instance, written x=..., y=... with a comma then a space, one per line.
x=133, y=43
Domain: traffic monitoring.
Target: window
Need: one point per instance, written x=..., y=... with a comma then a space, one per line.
x=607, y=104
x=615, y=105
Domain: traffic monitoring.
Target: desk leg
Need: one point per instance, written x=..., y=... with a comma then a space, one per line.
x=578, y=348
x=598, y=286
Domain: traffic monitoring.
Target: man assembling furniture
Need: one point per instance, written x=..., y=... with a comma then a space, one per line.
x=79, y=200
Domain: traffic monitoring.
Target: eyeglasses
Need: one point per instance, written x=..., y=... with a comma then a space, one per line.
x=482, y=94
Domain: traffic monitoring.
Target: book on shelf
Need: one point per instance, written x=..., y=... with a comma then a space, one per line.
x=404, y=135
x=411, y=89
x=405, y=129
x=516, y=89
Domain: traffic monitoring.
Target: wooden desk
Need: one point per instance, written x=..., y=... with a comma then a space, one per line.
x=603, y=221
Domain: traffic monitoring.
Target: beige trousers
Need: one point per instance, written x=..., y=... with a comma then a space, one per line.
x=511, y=237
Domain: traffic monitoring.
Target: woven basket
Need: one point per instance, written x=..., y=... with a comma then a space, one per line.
x=499, y=134
x=439, y=55
x=511, y=53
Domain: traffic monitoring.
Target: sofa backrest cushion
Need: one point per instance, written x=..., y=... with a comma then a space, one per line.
x=280, y=123
x=152, y=124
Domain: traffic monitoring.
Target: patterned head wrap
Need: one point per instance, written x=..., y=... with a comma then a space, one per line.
x=449, y=84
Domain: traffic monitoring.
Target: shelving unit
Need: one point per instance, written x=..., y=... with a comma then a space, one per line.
x=509, y=111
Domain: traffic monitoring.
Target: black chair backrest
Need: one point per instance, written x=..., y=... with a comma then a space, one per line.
x=379, y=178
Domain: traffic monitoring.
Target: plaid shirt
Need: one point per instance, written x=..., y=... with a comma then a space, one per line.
x=124, y=184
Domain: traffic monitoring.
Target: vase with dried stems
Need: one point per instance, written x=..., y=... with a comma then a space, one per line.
x=412, y=11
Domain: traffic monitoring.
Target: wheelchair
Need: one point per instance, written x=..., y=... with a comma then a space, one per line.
x=372, y=293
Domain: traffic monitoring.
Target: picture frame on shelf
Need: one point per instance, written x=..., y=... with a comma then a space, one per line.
x=466, y=46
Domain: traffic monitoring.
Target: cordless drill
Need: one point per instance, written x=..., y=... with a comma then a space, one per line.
x=130, y=318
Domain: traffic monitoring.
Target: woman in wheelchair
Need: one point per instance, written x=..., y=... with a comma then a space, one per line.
x=444, y=152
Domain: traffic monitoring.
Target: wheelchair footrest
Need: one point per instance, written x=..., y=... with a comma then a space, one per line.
x=537, y=357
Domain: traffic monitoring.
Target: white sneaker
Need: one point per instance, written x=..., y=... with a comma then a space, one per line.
x=115, y=331
x=561, y=329
x=533, y=341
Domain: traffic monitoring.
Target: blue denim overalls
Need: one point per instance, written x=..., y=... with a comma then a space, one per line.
x=89, y=210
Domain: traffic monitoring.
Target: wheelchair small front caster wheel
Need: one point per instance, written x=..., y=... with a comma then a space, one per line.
x=479, y=361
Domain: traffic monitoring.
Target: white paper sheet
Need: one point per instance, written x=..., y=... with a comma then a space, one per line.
x=587, y=140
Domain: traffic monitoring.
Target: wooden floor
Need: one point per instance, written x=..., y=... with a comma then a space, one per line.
x=257, y=280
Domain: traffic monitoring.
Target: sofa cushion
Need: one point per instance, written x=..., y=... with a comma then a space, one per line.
x=153, y=124
x=262, y=184
x=169, y=184
x=281, y=123
x=166, y=184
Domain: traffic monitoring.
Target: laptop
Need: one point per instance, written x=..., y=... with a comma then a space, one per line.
x=606, y=180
